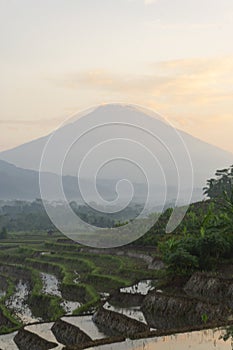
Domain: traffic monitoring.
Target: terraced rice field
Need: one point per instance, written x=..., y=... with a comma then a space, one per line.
x=43, y=278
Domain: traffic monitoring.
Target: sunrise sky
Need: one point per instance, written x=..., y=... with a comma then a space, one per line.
x=61, y=56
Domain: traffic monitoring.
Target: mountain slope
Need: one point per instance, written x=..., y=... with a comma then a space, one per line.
x=205, y=158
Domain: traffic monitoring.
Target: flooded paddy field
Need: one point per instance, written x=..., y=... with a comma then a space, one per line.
x=52, y=284
x=45, y=280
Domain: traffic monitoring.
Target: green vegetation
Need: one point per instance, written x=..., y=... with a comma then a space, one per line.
x=205, y=237
x=204, y=318
x=11, y=323
x=222, y=183
x=31, y=216
x=83, y=275
x=203, y=241
x=3, y=233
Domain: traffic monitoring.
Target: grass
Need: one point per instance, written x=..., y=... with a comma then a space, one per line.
x=11, y=323
x=97, y=272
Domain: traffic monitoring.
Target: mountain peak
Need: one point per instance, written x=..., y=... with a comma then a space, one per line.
x=123, y=108
x=154, y=133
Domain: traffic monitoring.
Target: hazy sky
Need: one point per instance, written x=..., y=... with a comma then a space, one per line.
x=60, y=56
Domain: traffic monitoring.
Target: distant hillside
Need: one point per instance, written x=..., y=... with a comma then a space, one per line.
x=22, y=184
x=18, y=183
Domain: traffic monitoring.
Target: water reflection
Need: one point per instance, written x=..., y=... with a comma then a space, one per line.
x=2, y=293
x=132, y=312
x=18, y=303
x=51, y=287
x=44, y=331
x=202, y=340
x=7, y=342
x=142, y=287
x=50, y=284
x=86, y=324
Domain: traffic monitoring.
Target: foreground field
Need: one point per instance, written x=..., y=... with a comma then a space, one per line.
x=44, y=277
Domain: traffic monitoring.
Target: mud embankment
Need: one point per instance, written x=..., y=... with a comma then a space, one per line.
x=68, y=334
x=210, y=287
x=5, y=322
x=26, y=340
x=165, y=311
x=15, y=272
x=3, y=283
x=114, y=324
x=204, y=298
x=74, y=292
x=126, y=299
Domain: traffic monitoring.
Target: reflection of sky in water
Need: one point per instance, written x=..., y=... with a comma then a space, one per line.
x=69, y=306
x=77, y=278
x=18, y=303
x=44, y=331
x=2, y=293
x=86, y=325
x=203, y=340
x=50, y=284
x=142, y=287
x=132, y=312
x=7, y=342
x=51, y=287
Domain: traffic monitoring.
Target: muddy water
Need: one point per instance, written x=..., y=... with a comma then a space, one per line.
x=202, y=340
x=85, y=324
x=70, y=306
x=7, y=342
x=77, y=278
x=50, y=284
x=51, y=287
x=142, y=287
x=132, y=312
x=18, y=303
x=2, y=293
x=44, y=331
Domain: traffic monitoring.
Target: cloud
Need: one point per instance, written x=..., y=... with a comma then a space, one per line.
x=31, y=122
x=183, y=25
x=199, y=81
x=193, y=93
x=93, y=78
x=18, y=122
